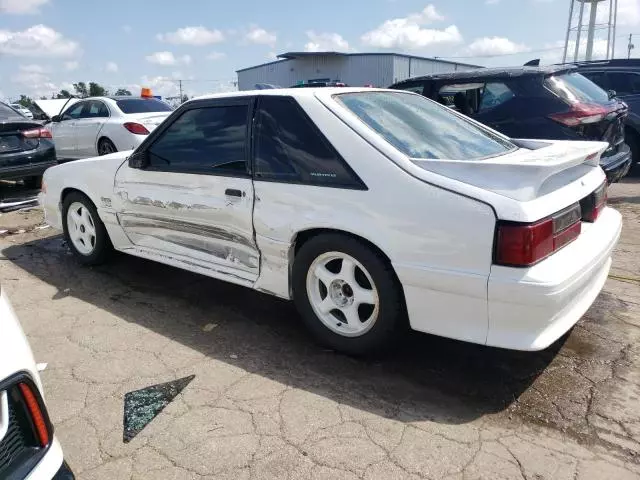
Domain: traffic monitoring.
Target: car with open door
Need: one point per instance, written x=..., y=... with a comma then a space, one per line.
x=373, y=210
x=29, y=448
x=101, y=125
x=552, y=102
x=26, y=148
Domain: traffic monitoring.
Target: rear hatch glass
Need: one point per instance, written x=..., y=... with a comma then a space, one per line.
x=423, y=129
x=575, y=90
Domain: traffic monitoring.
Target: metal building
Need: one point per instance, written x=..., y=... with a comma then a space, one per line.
x=354, y=69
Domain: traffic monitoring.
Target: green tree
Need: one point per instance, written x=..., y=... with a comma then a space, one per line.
x=63, y=94
x=25, y=101
x=123, y=91
x=97, y=90
x=81, y=89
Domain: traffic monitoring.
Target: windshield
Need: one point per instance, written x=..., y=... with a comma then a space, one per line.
x=422, y=129
x=575, y=88
x=142, y=105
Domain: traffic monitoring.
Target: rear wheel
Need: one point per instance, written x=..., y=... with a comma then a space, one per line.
x=84, y=232
x=347, y=294
x=106, y=146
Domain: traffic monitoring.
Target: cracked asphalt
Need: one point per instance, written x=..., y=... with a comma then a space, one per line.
x=267, y=403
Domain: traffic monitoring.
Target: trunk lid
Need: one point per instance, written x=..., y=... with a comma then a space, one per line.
x=536, y=169
x=12, y=141
x=149, y=120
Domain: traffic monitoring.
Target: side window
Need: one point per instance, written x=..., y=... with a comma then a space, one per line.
x=621, y=82
x=209, y=140
x=495, y=94
x=290, y=148
x=97, y=109
x=75, y=111
x=465, y=98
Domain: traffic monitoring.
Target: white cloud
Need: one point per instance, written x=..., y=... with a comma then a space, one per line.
x=36, y=84
x=111, y=67
x=495, y=46
x=168, y=59
x=408, y=32
x=21, y=6
x=216, y=56
x=37, y=41
x=260, y=36
x=272, y=56
x=73, y=65
x=197, y=36
x=319, y=42
x=32, y=68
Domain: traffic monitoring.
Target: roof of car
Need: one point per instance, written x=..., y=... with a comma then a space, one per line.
x=494, y=73
x=292, y=92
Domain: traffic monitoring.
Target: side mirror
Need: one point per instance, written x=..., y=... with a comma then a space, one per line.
x=612, y=94
x=138, y=160
x=56, y=118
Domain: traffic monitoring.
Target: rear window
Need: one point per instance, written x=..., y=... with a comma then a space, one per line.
x=423, y=129
x=7, y=112
x=142, y=105
x=575, y=88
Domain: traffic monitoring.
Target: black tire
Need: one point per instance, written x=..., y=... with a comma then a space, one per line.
x=102, y=247
x=106, y=146
x=392, y=317
x=33, y=182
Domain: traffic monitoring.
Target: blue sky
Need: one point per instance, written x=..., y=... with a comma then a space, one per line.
x=46, y=45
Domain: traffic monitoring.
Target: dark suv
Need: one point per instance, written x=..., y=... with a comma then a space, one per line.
x=554, y=102
x=621, y=76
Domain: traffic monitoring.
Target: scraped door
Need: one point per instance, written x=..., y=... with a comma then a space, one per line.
x=193, y=199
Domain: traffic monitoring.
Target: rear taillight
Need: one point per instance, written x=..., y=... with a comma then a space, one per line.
x=37, y=416
x=136, y=128
x=525, y=244
x=581, y=114
x=36, y=133
x=593, y=205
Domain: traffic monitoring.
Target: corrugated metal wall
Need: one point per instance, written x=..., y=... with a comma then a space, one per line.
x=355, y=70
x=407, y=67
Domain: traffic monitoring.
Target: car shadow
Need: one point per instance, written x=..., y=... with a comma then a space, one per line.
x=426, y=378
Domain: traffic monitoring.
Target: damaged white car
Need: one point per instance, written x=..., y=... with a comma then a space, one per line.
x=372, y=209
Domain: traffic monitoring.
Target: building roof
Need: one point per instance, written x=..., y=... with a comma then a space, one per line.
x=293, y=55
x=295, y=92
x=494, y=73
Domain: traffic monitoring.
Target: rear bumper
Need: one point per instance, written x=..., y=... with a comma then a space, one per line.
x=531, y=308
x=27, y=164
x=618, y=165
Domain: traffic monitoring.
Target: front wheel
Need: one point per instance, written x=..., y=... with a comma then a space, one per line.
x=347, y=294
x=84, y=232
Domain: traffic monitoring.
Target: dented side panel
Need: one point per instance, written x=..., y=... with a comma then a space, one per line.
x=189, y=216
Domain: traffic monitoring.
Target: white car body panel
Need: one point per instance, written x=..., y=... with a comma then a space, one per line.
x=15, y=357
x=79, y=138
x=436, y=229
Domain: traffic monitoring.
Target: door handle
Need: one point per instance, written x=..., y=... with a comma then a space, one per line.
x=233, y=192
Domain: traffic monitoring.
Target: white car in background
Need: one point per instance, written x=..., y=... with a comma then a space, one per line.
x=372, y=209
x=102, y=125
x=29, y=449
x=23, y=110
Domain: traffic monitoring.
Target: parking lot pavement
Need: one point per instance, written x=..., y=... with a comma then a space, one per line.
x=266, y=403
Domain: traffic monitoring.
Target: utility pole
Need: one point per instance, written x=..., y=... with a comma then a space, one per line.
x=630, y=46
x=180, y=83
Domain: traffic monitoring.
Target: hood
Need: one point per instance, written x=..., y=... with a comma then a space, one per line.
x=54, y=106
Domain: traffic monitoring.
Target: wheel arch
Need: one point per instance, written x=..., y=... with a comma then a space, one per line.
x=303, y=236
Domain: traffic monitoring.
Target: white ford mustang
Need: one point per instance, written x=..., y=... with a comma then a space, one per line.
x=371, y=209
x=103, y=125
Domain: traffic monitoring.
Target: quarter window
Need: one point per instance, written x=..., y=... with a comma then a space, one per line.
x=97, y=109
x=209, y=140
x=290, y=148
x=495, y=94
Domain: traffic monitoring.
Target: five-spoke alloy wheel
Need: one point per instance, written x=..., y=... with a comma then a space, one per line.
x=84, y=232
x=348, y=294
